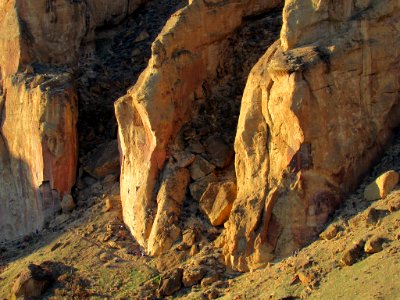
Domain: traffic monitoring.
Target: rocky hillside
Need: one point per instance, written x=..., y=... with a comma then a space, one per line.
x=190, y=140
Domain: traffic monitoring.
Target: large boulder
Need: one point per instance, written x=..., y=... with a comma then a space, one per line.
x=382, y=186
x=317, y=111
x=32, y=282
x=185, y=55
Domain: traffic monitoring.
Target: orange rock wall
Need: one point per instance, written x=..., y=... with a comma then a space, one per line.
x=318, y=109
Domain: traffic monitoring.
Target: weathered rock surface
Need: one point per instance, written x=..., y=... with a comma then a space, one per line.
x=52, y=33
x=154, y=110
x=165, y=230
x=38, y=152
x=316, y=112
x=38, y=147
x=382, y=186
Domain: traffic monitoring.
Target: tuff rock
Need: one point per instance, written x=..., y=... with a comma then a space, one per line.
x=38, y=102
x=316, y=112
x=153, y=111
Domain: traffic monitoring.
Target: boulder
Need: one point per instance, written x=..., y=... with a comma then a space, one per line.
x=316, y=113
x=189, y=237
x=32, y=282
x=200, y=168
x=67, y=204
x=198, y=187
x=217, y=200
x=353, y=253
x=104, y=160
x=373, y=245
x=184, y=158
x=382, y=186
x=171, y=283
x=191, y=276
x=330, y=232
x=221, y=154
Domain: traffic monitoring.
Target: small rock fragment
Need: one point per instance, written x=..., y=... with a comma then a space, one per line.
x=108, y=205
x=394, y=204
x=142, y=36
x=113, y=245
x=209, y=280
x=306, y=277
x=184, y=158
x=193, y=250
x=372, y=216
x=104, y=257
x=330, y=232
x=200, y=168
x=212, y=294
x=196, y=147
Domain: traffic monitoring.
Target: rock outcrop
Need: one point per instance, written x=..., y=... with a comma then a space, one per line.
x=39, y=150
x=40, y=43
x=186, y=55
x=318, y=108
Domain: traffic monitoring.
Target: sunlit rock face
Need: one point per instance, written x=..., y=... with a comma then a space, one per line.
x=38, y=106
x=38, y=151
x=186, y=54
x=317, y=111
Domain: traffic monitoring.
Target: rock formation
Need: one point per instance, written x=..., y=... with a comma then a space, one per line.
x=186, y=54
x=317, y=110
x=38, y=102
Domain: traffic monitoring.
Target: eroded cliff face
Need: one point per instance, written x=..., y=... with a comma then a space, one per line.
x=38, y=154
x=317, y=111
x=40, y=43
x=186, y=55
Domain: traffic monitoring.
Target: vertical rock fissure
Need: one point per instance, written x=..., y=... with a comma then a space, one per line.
x=211, y=132
x=108, y=66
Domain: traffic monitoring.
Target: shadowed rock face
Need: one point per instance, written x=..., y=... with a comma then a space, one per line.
x=317, y=110
x=38, y=111
x=186, y=54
